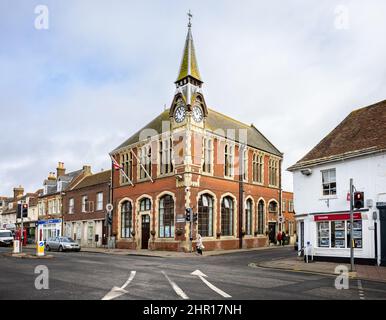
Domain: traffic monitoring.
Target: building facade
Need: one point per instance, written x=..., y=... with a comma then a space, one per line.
x=191, y=156
x=84, y=207
x=355, y=149
x=288, y=213
x=50, y=208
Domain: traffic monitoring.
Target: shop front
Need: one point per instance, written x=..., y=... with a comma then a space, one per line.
x=49, y=229
x=329, y=236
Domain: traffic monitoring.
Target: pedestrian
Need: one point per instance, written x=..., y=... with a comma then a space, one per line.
x=271, y=236
x=279, y=237
x=199, y=245
x=283, y=238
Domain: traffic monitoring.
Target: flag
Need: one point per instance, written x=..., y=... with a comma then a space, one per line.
x=116, y=165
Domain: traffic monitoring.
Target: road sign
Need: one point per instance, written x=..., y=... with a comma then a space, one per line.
x=109, y=207
x=40, y=248
x=281, y=219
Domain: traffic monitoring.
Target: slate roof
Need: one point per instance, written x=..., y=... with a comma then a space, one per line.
x=52, y=185
x=215, y=122
x=363, y=131
x=94, y=179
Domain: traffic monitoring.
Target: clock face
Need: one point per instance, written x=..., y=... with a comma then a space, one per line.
x=179, y=114
x=197, y=114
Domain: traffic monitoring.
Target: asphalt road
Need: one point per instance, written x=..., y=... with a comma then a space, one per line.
x=87, y=276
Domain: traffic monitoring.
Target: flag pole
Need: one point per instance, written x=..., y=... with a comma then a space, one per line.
x=121, y=170
x=147, y=173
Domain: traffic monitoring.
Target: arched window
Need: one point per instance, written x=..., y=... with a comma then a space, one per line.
x=205, y=216
x=248, y=217
x=227, y=212
x=260, y=217
x=166, y=217
x=126, y=219
x=145, y=205
x=273, y=207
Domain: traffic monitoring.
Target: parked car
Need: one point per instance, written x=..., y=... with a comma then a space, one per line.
x=6, y=238
x=62, y=244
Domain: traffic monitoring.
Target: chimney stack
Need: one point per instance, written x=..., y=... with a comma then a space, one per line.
x=87, y=170
x=51, y=176
x=60, y=170
x=18, y=192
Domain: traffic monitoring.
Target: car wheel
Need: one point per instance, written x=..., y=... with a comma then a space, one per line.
x=48, y=248
x=60, y=249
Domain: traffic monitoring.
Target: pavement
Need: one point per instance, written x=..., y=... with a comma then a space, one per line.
x=297, y=264
x=93, y=276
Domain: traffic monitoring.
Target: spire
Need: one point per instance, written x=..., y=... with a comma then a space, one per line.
x=189, y=66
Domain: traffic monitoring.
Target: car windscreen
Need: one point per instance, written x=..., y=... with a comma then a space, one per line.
x=6, y=234
x=67, y=240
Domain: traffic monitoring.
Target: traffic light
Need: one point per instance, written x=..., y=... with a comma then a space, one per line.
x=188, y=213
x=25, y=210
x=22, y=209
x=195, y=217
x=359, y=200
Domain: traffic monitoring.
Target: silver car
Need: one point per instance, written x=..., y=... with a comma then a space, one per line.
x=62, y=244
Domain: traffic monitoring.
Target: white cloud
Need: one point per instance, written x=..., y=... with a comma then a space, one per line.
x=72, y=93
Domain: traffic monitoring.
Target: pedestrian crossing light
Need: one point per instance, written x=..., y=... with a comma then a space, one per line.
x=359, y=200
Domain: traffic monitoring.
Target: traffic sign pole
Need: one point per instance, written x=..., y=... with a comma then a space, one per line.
x=351, y=226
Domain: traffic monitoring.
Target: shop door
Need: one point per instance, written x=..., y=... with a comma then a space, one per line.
x=145, y=231
x=382, y=216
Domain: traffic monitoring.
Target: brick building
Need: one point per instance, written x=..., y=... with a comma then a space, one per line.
x=188, y=157
x=84, y=210
x=50, y=212
x=288, y=213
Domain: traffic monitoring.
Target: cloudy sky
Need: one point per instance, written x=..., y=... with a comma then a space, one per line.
x=103, y=68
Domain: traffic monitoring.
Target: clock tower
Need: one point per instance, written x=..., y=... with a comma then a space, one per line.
x=188, y=106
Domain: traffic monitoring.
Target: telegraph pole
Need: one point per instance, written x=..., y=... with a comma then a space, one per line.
x=351, y=226
x=21, y=227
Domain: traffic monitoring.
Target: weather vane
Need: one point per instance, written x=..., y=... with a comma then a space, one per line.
x=190, y=18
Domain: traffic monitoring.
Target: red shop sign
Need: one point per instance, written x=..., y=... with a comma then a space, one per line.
x=340, y=216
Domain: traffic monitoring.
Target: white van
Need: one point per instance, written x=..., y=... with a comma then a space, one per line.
x=6, y=238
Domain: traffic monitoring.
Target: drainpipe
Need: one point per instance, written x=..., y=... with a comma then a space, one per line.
x=241, y=194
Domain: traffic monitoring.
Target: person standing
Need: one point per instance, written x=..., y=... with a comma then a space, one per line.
x=199, y=245
x=279, y=238
x=283, y=238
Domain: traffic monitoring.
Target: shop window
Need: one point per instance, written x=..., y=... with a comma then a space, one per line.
x=339, y=237
x=324, y=234
x=205, y=216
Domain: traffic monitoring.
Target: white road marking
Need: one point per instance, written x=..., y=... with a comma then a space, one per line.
x=175, y=287
x=214, y=288
x=116, y=292
x=132, y=275
x=361, y=292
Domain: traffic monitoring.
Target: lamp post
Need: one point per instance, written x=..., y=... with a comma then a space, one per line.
x=351, y=226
